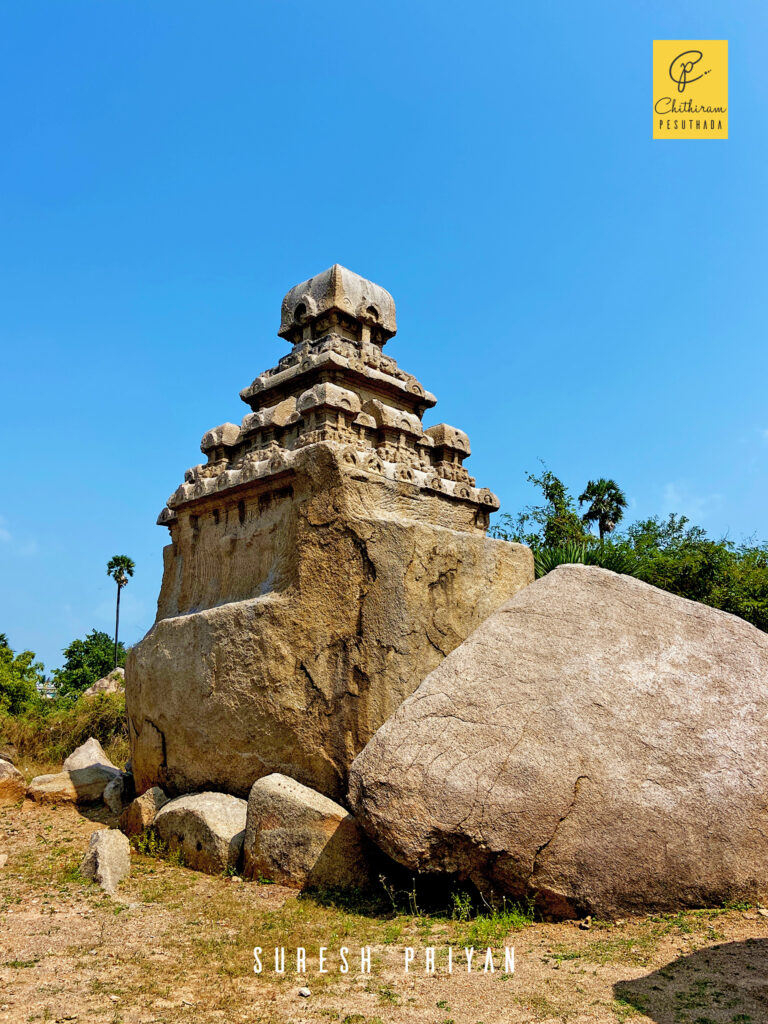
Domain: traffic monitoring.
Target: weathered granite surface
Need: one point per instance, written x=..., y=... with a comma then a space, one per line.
x=207, y=829
x=325, y=559
x=12, y=784
x=300, y=838
x=108, y=858
x=597, y=743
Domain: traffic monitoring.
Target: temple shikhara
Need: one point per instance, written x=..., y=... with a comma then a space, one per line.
x=323, y=560
x=337, y=385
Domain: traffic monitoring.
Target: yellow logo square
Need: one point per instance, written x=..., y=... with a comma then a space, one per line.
x=690, y=88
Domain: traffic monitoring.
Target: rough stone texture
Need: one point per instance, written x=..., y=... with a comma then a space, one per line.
x=298, y=837
x=89, y=753
x=112, y=683
x=597, y=742
x=118, y=792
x=326, y=558
x=141, y=812
x=80, y=786
x=207, y=828
x=12, y=784
x=108, y=858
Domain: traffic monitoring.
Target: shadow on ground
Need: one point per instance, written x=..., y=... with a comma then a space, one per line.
x=726, y=984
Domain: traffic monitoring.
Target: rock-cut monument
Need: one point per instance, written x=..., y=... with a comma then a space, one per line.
x=326, y=558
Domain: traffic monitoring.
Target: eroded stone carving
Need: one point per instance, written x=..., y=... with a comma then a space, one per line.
x=336, y=385
x=325, y=558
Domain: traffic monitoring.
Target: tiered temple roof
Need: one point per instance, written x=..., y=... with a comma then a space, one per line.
x=335, y=386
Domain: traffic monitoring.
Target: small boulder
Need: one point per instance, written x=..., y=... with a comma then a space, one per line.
x=141, y=812
x=114, y=682
x=300, y=838
x=88, y=753
x=108, y=858
x=207, y=829
x=12, y=784
x=118, y=792
x=79, y=786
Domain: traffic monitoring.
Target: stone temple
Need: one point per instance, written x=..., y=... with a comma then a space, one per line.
x=325, y=559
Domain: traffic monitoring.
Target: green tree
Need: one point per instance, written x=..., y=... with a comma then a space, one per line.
x=670, y=553
x=681, y=558
x=20, y=676
x=120, y=568
x=86, y=661
x=607, y=502
x=554, y=523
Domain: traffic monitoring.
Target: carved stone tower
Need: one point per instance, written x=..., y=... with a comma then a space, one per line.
x=327, y=556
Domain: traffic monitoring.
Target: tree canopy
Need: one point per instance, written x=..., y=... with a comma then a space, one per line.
x=85, y=662
x=605, y=505
x=670, y=553
x=120, y=568
x=20, y=676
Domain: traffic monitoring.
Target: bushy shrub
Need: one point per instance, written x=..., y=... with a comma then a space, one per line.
x=85, y=662
x=20, y=676
x=51, y=730
x=606, y=556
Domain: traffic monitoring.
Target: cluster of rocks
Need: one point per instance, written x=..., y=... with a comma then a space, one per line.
x=598, y=745
x=283, y=832
x=87, y=777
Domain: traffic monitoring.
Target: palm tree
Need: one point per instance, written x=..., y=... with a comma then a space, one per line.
x=120, y=567
x=607, y=502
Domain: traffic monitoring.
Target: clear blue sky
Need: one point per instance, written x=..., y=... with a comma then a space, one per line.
x=567, y=287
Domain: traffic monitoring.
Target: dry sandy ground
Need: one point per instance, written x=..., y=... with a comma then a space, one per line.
x=174, y=945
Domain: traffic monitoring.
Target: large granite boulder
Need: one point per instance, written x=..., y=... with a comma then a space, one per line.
x=597, y=743
x=207, y=829
x=300, y=838
x=12, y=784
x=323, y=561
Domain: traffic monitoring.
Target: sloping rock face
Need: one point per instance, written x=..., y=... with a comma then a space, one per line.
x=300, y=838
x=597, y=743
x=327, y=557
x=88, y=753
x=206, y=828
